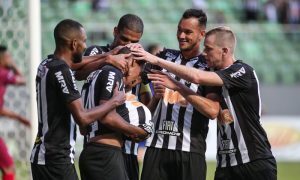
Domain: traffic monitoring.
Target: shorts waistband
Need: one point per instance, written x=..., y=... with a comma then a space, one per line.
x=94, y=144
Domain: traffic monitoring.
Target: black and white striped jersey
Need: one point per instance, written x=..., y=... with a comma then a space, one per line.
x=55, y=88
x=177, y=124
x=94, y=50
x=130, y=147
x=139, y=115
x=241, y=138
x=99, y=86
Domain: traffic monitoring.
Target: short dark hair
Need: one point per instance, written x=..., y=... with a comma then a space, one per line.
x=196, y=13
x=124, y=50
x=132, y=22
x=66, y=30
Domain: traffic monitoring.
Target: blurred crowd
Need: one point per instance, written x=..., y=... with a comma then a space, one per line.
x=276, y=11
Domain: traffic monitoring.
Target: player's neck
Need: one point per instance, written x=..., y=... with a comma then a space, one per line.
x=188, y=54
x=64, y=56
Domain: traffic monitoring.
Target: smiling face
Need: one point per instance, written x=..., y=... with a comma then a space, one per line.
x=189, y=34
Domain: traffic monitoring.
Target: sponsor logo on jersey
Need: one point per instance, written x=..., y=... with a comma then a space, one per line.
x=73, y=80
x=229, y=151
x=173, y=97
x=94, y=51
x=168, y=128
x=41, y=71
x=111, y=79
x=62, y=82
x=239, y=73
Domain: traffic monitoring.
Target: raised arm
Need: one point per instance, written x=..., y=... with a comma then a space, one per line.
x=208, y=106
x=20, y=80
x=114, y=121
x=188, y=73
x=159, y=91
x=83, y=117
x=8, y=113
x=92, y=63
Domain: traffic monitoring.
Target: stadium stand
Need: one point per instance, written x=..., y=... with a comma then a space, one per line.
x=264, y=45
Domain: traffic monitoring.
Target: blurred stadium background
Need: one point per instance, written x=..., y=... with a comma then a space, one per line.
x=268, y=34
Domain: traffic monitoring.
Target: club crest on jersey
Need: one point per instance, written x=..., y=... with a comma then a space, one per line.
x=62, y=82
x=225, y=143
x=170, y=55
x=168, y=128
x=239, y=73
x=110, y=81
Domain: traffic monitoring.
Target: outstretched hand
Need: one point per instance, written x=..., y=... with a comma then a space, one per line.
x=140, y=54
x=118, y=96
x=162, y=79
x=134, y=46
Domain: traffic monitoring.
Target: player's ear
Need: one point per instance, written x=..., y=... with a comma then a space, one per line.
x=73, y=44
x=202, y=32
x=225, y=50
x=116, y=32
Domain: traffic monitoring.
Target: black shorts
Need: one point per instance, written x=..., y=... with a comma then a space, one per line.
x=53, y=172
x=262, y=169
x=97, y=161
x=132, y=166
x=164, y=164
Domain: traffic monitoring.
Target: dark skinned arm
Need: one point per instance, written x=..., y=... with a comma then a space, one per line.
x=83, y=117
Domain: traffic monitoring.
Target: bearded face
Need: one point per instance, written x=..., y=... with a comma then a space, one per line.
x=77, y=57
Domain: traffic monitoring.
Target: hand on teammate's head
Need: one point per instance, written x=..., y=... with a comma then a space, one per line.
x=119, y=61
x=135, y=46
x=142, y=55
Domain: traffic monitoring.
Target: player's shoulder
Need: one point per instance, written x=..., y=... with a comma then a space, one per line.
x=54, y=63
x=169, y=53
x=95, y=49
x=241, y=65
x=111, y=70
x=199, y=62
